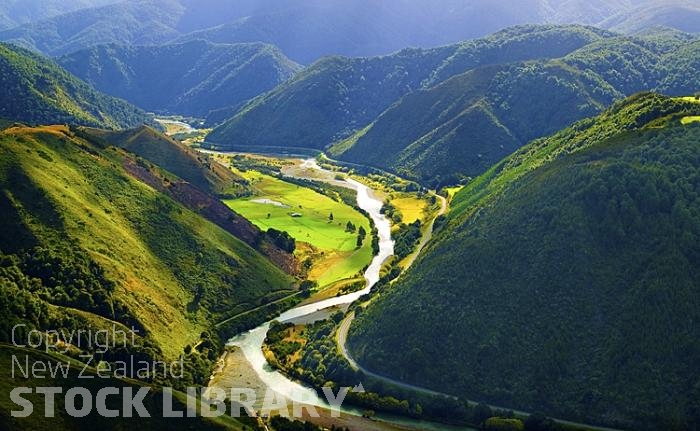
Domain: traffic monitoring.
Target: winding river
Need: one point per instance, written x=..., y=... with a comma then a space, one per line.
x=251, y=342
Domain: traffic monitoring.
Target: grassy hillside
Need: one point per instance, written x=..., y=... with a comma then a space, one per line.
x=153, y=402
x=91, y=244
x=176, y=158
x=336, y=96
x=37, y=91
x=195, y=181
x=564, y=280
x=192, y=78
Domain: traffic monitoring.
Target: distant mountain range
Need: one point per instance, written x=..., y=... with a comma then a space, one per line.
x=18, y=12
x=467, y=123
x=337, y=96
x=306, y=30
x=36, y=90
x=192, y=78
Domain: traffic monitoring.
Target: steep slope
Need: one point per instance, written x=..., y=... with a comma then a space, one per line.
x=469, y=123
x=35, y=90
x=93, y=237
x=337, y=96
x=681, y=69
x=193, y=180
x=176, y=158
x=564, y=280
x=193, y=79
x=466, y=124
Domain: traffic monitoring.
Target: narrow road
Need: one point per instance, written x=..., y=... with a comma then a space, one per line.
x=252, y=310
x=341, y=335
x=428, y=233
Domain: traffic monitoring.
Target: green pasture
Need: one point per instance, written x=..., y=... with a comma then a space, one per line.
x=305, y=214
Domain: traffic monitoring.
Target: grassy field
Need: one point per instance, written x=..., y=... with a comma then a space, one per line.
x=690, y=119
x=412, y=208
x=305, y=214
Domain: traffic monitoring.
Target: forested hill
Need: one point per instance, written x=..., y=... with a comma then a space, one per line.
x=468, y=123
x=337, y=96
x=192, y=78
x=35, y=90
x=440, y=115
x=565, y=279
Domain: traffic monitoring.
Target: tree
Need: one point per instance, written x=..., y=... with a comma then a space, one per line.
x=330, y=217
x=282, y=240
x=539, y=422
x=308, y=285
x=481, y=413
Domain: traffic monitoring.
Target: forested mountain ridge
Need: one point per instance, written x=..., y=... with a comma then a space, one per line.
x=35, y=90
x=337, y=96
x=467, y=124
x=482, y=101
x=458, y=136
x=593, y=231
x=191, y=79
